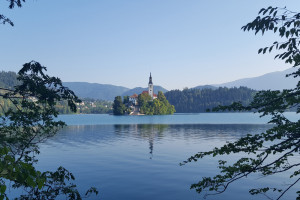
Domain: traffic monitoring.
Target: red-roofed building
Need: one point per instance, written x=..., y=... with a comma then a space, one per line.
x=133, y=98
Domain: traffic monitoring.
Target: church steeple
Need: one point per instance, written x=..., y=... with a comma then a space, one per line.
x=150, y=79
x=150, y=86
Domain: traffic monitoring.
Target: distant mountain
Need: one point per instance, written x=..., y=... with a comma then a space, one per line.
x=273, y=81
x=95, y=90
x=139, y=90
x=201, y=87
x=105, y=91
x=270, y=81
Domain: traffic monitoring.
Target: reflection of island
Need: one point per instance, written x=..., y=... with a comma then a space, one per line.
x=144, y=131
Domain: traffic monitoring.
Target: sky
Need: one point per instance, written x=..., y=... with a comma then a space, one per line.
x=183, y=43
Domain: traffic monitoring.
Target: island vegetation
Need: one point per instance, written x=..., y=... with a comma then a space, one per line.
x=146, y=105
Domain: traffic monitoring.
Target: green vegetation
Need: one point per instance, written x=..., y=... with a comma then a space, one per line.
x=119, y=107
x=147, y=106
x=8, y=80
x=87, y=106
x=277, y=150
x=22, y=129
x=159, y=106
x=196, y=100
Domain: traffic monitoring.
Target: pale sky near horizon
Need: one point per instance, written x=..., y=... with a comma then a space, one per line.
x=119, y=42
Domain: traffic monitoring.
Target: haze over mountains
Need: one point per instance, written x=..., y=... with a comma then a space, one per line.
x=105, y=91
x=270, y=81
x=273, y=81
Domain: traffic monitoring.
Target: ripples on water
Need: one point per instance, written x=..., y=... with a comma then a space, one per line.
x=137, y=157
x=142, y=161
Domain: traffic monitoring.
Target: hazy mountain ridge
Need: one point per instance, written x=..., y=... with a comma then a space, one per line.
x=201, y=87
x=95, y=90
x=139, y=90
x=270, y=81
x=105, y=91
x=273, y=80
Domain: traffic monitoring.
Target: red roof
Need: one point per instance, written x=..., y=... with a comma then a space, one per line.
x=148, y=93
x=134, y=96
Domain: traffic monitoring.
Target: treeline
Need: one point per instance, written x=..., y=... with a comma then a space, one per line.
x=196, y=100
x=8, y=79
x=87, y=106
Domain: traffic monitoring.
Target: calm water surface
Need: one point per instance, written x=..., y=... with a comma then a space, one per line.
x=137, y=157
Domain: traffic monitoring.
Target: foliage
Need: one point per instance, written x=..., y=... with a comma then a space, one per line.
x=87, y=106
x=196, y=100
x=8, y=80
x=159, y=106
x=24, y=127
x=143, y=99
x=118, y=107
x=274, y=151
x=12, y=4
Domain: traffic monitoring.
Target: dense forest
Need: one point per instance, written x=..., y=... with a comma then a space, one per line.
x=196, y=100
x=8, y=80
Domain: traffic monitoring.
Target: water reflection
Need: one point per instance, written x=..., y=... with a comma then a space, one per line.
x=85, y=136
x=116, y=157
x=145, y=131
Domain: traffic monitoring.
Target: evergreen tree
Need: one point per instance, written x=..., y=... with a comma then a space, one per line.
x=118, y=106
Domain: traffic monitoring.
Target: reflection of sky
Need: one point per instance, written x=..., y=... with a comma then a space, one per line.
x=115, y=158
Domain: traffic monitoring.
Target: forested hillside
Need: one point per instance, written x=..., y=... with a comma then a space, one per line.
x=8, y=79
x=196, y=100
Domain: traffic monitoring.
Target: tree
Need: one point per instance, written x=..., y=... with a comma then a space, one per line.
x=271, y=152
x=12, y=4
x=118, y=106
x=158, y=106
x=24, y=126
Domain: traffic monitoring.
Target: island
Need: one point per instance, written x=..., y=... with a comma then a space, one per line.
x=146, y=103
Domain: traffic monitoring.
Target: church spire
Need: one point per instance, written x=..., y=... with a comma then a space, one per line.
x=150, y=87
x=150, y=79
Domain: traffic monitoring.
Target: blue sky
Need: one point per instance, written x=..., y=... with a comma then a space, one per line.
x=184, y=43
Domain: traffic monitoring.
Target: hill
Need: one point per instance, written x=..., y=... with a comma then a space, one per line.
x=139, y=90
x=201, y=87
x=96, y=91
x=270, y=81
x=196, y=100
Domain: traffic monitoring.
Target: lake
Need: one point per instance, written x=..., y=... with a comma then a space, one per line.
x=137, y=157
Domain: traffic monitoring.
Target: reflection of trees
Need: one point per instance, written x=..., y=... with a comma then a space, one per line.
x=145, y=131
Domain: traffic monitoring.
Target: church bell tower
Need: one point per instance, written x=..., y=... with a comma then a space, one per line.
x=150, y=86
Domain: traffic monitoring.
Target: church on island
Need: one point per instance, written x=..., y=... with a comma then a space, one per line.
x=134, y=98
